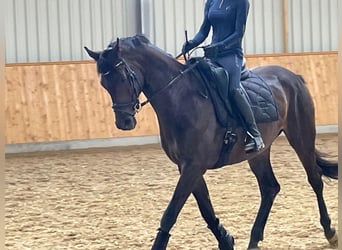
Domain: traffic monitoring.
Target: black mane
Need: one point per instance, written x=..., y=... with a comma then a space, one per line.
x=133, y=41
x=109, y=56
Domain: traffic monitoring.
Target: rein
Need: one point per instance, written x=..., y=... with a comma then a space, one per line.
x=181, y=73
x=137, y=105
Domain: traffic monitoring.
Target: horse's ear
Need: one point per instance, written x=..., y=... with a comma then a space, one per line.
x=93, y=54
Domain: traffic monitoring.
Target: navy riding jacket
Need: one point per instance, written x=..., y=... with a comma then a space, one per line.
x=228, y=20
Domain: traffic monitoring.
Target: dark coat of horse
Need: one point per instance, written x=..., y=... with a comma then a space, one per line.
x=192, y=138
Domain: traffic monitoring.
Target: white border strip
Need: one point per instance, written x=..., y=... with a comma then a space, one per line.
x=327, y=129
x=107, y=142
x=80, y=144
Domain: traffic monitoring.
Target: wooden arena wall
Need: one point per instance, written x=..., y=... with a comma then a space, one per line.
x=64, y=100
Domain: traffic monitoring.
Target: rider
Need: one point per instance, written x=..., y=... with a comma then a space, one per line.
x=228, y=19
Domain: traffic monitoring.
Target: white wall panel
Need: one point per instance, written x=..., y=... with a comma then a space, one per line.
x=170, y=18
x=313, y=25
x=52, y=47
x=11, y=37
x=264, y=31
x=57, y=30
x=43, y=44
x=165, y=21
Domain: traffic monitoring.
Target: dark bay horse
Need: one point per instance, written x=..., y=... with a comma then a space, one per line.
x=193, y=139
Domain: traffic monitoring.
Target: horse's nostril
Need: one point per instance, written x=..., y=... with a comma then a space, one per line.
x=128, y=122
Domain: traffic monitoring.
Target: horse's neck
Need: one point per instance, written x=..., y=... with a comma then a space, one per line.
x=159, y=76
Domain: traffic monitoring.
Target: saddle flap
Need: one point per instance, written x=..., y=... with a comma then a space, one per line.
x=215, y=80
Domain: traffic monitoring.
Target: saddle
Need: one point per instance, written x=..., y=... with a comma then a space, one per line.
x=258, y=93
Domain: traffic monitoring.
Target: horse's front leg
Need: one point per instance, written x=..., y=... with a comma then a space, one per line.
x=201, y=193
x=189, y=176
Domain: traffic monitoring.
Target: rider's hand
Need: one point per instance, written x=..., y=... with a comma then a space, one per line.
x=187, y=46
x=211, y=51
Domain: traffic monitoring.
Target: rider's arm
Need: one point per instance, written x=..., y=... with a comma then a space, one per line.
x=240, y=26
x=205, y=27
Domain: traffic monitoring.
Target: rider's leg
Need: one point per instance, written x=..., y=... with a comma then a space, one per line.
x=232, y=63
x=246, y=112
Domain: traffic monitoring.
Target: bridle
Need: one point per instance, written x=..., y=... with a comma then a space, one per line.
x=135, y=106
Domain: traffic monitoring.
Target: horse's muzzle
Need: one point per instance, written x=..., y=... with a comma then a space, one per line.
x=125, y=122
x=125, y=115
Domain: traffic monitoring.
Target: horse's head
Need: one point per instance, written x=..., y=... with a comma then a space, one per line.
x=120, y=79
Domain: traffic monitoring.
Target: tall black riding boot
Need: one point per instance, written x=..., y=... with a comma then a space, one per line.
x=246, y=112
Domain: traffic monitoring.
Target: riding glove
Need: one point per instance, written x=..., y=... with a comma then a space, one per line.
x=211, y=51
x=188, y=45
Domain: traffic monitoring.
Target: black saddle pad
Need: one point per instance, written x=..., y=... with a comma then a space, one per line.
x=260, y=98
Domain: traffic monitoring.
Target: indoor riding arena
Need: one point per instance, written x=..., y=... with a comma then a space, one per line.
x=75, y=181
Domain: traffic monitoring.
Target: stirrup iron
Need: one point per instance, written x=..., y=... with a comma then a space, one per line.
x=256, y=145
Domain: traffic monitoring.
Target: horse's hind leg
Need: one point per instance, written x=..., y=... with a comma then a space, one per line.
x=269, y=188
x=300, y=131
x=305, y=149
x=201, y=194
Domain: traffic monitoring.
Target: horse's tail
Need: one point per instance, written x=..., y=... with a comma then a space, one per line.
x=329, y=168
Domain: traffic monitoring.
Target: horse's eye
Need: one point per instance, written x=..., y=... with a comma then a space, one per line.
x=123, y=78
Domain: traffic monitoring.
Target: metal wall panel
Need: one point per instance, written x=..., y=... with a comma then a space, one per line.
x=164, y=22
x=313, y=25
x=264, y=30
x=309, y=25
x=168, y=19
x=57, y=30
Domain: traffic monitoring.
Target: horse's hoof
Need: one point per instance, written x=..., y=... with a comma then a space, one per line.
x=227, y=243
x=334, y=241
x=253, y=246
